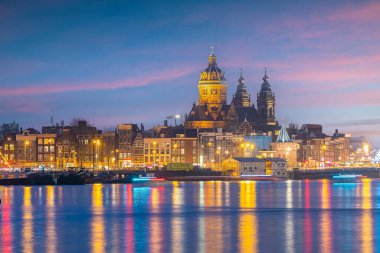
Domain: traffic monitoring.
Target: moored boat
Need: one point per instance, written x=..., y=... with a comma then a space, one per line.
x=347, y=178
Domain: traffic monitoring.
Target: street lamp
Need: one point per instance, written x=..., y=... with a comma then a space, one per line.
x=117, y=159
x=26, y=143
x=252, y=148
x=218, y=152
x=324, y=147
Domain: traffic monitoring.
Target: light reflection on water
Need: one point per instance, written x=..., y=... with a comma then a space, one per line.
x=246, y=216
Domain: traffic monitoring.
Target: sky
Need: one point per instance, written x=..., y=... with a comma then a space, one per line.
x=114, y=62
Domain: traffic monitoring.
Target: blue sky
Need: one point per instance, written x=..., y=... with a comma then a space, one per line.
x=139, y=61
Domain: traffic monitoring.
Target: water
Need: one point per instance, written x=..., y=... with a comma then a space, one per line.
x=289, y=216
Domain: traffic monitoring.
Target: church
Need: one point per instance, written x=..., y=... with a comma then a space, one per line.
x=241, y=116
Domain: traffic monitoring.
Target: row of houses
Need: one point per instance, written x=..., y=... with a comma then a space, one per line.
x=131, y=146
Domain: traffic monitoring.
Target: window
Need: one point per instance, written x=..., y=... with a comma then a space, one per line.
x=6, y=147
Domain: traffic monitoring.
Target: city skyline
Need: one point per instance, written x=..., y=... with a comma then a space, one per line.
x=114, y=65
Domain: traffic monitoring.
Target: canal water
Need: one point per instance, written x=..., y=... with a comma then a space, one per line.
x=288, y=216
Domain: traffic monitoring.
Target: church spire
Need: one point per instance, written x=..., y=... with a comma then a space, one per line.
x=212, y=57
x=241, y=98
x=283, y=136
x=241, y=79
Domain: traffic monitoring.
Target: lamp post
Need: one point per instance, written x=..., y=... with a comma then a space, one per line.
x=174, y=152
x=208, y=151
x=324, y=153
x=97, y=153
x=218, y=152
x=117, y=159
x=26, y=143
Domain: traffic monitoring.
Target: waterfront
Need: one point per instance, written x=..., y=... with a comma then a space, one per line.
x=245, y=216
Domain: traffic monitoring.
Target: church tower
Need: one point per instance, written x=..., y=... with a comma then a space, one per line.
x=212, y=87
x=241, y=97
x=266, y=102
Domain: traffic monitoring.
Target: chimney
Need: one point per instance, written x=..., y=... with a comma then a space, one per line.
x=142, y=127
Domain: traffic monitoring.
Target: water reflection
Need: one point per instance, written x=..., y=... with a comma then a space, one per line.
x=155, y=225
x=177, y=220
x=6, y=225
x=97, y=225
x=201, y=219
x=27, y=228
x=325, y=224
x=247, y=222
x=51, y=234
x=129, y=221
x=367, y=234
x=290, y=216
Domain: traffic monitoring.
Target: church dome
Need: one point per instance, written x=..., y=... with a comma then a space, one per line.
x=241, y=97
x=265, y=86
x=212, y=72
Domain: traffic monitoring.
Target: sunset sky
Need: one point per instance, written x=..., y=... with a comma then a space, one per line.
x=139, y=61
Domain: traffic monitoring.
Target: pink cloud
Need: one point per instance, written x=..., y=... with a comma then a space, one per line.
x=136, y=81
x=23, y=106
x=364, y=13
x=335, y=99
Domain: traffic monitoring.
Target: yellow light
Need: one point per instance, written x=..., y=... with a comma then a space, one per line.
x=366, y=148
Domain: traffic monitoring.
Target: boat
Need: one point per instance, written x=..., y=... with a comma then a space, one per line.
x=347, y=178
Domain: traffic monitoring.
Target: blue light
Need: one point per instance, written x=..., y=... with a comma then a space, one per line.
x=141, y=179
x=346, y=176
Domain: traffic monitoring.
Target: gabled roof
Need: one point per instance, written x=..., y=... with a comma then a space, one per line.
x=198, y=113
x=275, y=159
x=248, y=159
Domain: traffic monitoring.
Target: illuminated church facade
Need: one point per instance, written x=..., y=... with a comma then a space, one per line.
x=212, y=110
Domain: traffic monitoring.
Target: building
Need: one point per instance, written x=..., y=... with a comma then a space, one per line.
x=261, y=142
x=212, y=110
x=244, y=166
x=157, y=152
x=214, y=147
x=320, y=150
x=125, y=134
x=285, y=148
x=67, y=149
x=88, y=147
x=184, y=150
x=10, y=128
x=8, y=151
x=108, y=149
x=276, y=167
x=138, y=151
x=46, y=152
x=26, y=144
